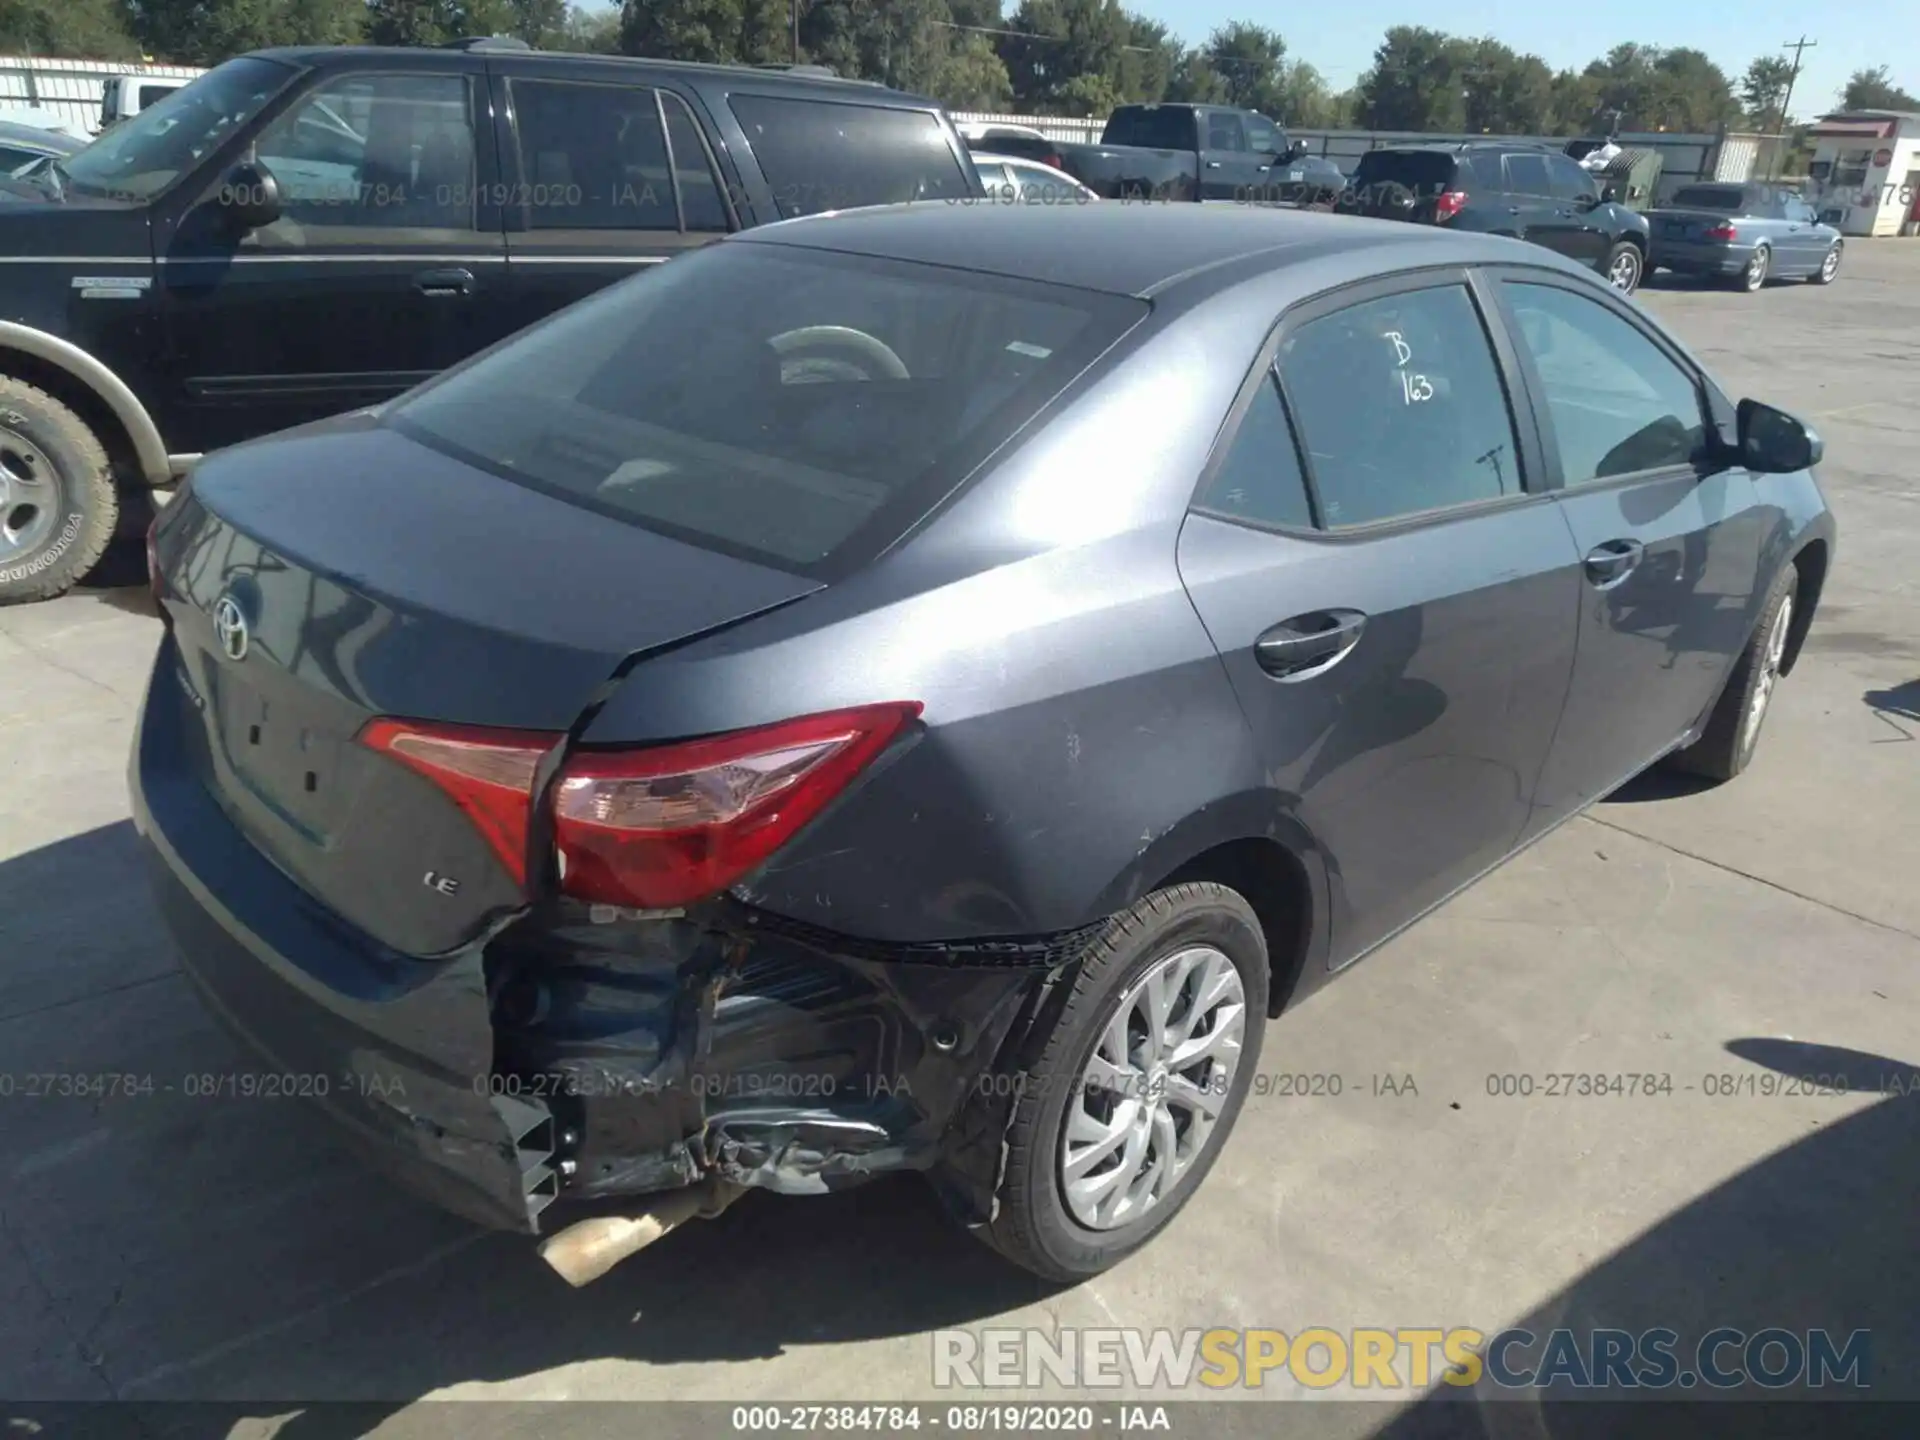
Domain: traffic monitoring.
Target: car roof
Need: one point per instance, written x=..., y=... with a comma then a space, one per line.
x=53, y=141
x=1143, y=249
x=509, y=60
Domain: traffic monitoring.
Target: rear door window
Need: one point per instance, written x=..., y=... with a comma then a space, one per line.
x=825, y=155
x=1425, y=172
x=1528, y=175
x=1258, y=479
x=1401, y=407
x=790, y=406
x=593, y=157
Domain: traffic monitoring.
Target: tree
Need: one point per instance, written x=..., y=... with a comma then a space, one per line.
x=733, y=31
x=1504, y=92
x=1250, y=61
x=435, y=22
x=1874, y=90
x=592, y=32
x=205, y=32
x=1066, y=56
x=1763, y=91
x=65, y=29
x=1415, y=82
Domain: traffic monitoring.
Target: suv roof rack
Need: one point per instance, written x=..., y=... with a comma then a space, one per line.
x=819, y=72
x=486, y=42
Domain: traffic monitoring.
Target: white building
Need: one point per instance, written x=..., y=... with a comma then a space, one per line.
x=1866, y=171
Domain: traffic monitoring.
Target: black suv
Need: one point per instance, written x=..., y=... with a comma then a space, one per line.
x=303, y=232
x=1504, y=188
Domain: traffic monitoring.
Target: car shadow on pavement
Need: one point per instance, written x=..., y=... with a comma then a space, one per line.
x=119, y=577
x=202, y=1247
x=1657, y=783
x=1899, y=702
x=1817, y=1236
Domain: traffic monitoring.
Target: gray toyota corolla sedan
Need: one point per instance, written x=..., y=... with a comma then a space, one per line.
x=918, y=689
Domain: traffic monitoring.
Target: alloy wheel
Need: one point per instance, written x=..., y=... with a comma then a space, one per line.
x=1770, y=658
x=1149, y=1099
x=1624, y=273
x=1756, y=274
x=1830, y=266
x=29, y=496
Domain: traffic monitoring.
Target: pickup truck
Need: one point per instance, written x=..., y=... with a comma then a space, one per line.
x=308, y=231
x=1199, y=152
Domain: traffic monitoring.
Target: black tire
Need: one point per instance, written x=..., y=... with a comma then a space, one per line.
x=1726, y=746
x=1032, y=1226
x=56, y=495
x=1754, y=277
x=1829, y=266
x=1615, y=269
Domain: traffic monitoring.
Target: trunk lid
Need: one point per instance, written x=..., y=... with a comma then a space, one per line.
x=1670, y=224
x=374, y=576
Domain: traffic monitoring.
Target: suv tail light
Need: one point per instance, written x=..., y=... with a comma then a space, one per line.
x=1054, y=159
x=1448, y=204
x=651, y=828
x=656, y=828
x=1722, y=231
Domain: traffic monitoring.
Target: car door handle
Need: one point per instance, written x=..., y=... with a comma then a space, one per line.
x=1308, y=644
x=1610, y=562
x=1213, y=164
x=456, y=281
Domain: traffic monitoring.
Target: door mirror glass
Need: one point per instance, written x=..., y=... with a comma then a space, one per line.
x=249, y=196
x=1772, y=442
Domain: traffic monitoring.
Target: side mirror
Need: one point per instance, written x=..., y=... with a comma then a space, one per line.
x=249, y=196
x=1294, y=151
x=1772, y=442
x=1590, y=201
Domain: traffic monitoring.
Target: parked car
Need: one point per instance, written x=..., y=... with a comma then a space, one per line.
x=300, y=232
x=1011, y=180
x=1504, y=188
x=1744, y=234
x=1199, y=152
x=124, y=96
x=24, y=148
x=1021, y=140
x=777, y=723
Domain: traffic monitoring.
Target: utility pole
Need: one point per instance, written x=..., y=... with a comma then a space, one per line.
x=1799, y=47
x=794, y=7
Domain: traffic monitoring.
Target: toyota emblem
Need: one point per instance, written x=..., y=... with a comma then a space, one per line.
x=230, y=628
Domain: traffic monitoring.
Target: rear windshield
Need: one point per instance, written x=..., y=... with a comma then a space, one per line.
x=1151, y=127
x=1425, y=172
x=799, y=408
x=1730, y=198
x=822, y=155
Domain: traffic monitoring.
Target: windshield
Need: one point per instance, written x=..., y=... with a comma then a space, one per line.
x=1425, y=172
x=777, y=404
x=140, y=157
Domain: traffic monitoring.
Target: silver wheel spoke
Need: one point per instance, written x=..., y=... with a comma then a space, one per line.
x=1151, y=1092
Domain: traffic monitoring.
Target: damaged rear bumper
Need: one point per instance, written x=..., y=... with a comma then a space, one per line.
x=585, y=1053
x=733, y=1044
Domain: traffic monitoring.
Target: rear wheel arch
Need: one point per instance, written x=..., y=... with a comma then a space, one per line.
x=1254, y=845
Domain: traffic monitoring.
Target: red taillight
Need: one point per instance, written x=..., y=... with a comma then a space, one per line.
x=1719, y=232
x=657, y=828
x=1055, y=161
x=487, y=773
x=1448, y=204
